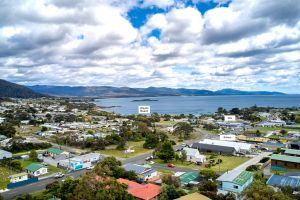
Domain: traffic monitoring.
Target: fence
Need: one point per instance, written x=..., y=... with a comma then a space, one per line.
x=17, y=184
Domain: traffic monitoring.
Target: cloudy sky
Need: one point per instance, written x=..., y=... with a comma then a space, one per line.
x=205, y=44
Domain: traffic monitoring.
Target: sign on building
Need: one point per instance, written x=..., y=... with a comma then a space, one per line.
x=144, y=109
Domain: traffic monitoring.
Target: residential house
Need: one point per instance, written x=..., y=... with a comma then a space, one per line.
x=235, y=181
x=36, y=169
x=193, y=155
x=18, y=177
x=281, y=161
x=292, y=152
x=141, y=191
x=143, y=172
x=5, y=154
x=53, y=152
x=80, y=162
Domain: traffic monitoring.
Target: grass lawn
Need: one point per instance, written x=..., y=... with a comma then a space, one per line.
x=27, y=129
x=166, y=123
x=4, y=174
x=229, y=163
x=266, y=129
x=137, y=146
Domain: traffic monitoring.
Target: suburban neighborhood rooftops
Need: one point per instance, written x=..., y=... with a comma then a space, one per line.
x=285, y=158
x=277, y=180
x=34, y=167
x=18, y=175
x=242, y=178
x=54, y=150
x=236, y=145
x=292, y=151
x=212, y=147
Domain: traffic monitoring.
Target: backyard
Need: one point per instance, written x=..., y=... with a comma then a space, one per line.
x=136, y=146
x=4, y=174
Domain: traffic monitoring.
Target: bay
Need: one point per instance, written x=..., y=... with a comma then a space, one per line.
x=195, y=104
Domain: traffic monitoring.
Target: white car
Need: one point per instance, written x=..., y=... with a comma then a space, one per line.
x=59, y=175
x=90, y=167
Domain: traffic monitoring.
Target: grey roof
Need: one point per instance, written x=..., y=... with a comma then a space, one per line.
x=230, y=175
x=213, y=148
x=2, y=151
x=137, y=168
x=191, y=151
x=281, y=181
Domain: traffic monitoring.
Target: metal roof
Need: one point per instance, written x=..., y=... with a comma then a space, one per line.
x=188, y=177
x=136, y=168
x=34, y=167
x=239, y=177
x=292, y=151
x=243, y=177
x=277, y=180
x=55, y=150
x=285, y=158
x=213, y=148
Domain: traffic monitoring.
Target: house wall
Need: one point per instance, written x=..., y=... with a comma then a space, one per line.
x=39, y=172
x=18, y=179
x=284, y=164
x=232, y=187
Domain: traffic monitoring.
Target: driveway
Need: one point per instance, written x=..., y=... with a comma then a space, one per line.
x=253, y=161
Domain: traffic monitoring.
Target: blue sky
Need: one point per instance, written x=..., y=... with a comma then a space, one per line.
x=203, y=44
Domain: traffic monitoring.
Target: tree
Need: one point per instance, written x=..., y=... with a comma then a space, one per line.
x=100, y=188
x=183, y=156
x=183, y=129
x=208, y=188
x=252, y=168
x=297, y=119
x=208, y=173
x=8, y=130
x=169, y=192
x=33, y=156
x=171, y=180
x=166, y=152
x=107, y=166
x=260, y=191
x=44, y=129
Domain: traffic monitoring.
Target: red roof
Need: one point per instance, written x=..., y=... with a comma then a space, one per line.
x=141, y=191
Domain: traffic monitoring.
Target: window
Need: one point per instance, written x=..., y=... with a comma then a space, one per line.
x=285, y=164
x=236, y=187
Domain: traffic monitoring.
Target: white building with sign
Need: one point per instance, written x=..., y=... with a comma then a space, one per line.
x=144, y=109
x=225, y=137
x=229, y=118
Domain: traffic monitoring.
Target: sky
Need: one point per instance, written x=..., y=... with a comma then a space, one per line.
x=203, y=44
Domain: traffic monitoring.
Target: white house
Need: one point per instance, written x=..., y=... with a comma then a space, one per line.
x=143, y=172
x=18, y=177
x=36, y=169
x=193, y=155
x=5, y=154
x=229, y=118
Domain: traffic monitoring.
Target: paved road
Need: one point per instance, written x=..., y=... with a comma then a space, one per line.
x=253, y=160
x=37, y=186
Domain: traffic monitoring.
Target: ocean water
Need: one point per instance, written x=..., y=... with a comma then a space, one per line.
x=195, y=104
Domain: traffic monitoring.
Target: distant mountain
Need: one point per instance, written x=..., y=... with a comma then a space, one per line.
x=108, y=91
x=8, y=89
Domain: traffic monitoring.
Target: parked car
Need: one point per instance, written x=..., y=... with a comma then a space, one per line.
x=59, y=175
x=90, y=167
x=170, y=165
x=149, y=158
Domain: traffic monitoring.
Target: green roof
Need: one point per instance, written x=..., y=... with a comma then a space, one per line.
x=34, y=167
x=188, y=177
x=285, y=158
x=242, y=178
x=55, y=150
x=292, y=151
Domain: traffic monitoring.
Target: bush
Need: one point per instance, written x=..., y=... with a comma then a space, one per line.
x=264, y=159
x=252, y=168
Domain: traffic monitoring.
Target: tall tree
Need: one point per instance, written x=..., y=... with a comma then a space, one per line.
x=166, y=152
x=183, y=129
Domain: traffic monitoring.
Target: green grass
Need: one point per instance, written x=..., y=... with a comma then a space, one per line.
x=4, y=174
x=266, y=129
x=137, y=146
x=228, y=163
x=27, y=129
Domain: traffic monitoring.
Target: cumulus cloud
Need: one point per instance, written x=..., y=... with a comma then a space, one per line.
x=247, y=44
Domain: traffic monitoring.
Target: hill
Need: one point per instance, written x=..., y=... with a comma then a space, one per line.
x=8, y=89
x=108, y=91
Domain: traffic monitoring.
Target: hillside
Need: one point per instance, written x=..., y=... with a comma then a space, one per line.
x=108, y=91
x=8, y=89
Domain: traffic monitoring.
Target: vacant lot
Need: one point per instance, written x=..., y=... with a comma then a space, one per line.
x=136, y=146
x=4, y=174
